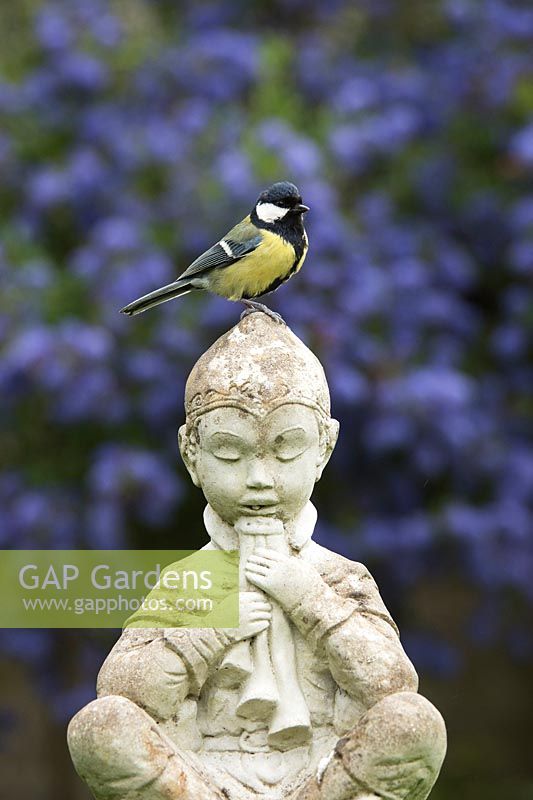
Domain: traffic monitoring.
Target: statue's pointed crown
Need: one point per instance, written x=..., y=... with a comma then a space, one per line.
x=258, y=365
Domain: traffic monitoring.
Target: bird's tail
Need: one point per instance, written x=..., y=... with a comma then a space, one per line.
x=161, y=295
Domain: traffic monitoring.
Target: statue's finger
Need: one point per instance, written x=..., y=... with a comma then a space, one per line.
x=268, y=552
x=264, y=562
x=262, y=568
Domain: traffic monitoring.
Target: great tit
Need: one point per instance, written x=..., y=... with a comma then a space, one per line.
x=254, y=258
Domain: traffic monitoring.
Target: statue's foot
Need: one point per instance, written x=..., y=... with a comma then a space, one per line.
x=395, y=751
x=252, y=306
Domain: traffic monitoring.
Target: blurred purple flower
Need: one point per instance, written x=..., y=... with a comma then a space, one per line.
x=236, y=174
x=388, y=433
x=67, y=702
x=107, y=29
x=34, y=646
x=53, y=30
x=81, y=71
x=521, y=257
x=521, y=214
x=300, y=155
x=434, y=656
x=521, y=146
x=104, y=525
x=117, y=235
x=357, y=93
x=468, y=522
x=349, y=385
x=137, y=478
x=49, y=187
x=509, y=19
x=428, y=390
x=509, y=342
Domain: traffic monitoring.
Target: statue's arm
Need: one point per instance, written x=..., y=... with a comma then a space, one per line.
x=367, y=660
x=349, y=620
x=158, y=668
x=144, y=669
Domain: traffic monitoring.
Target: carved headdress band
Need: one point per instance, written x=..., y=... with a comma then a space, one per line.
x=248, y=399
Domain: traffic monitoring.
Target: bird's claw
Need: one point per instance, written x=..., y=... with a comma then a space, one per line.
x=252, y=307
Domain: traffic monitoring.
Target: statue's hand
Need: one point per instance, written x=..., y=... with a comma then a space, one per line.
x=285, y=578
x=254, y=613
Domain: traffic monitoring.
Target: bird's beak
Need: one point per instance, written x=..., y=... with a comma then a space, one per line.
x=301, y=209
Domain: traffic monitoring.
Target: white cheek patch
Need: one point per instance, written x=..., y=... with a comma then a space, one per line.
x=269, y=212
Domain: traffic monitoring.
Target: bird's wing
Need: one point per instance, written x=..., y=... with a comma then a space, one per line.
x=237, y=243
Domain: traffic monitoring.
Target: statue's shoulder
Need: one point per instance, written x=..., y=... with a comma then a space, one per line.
x=332, y=566
x=349, y=579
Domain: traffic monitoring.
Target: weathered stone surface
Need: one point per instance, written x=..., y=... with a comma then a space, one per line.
x=260, y=363
x=312, y=697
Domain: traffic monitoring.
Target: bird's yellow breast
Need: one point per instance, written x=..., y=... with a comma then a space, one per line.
x=255, y=273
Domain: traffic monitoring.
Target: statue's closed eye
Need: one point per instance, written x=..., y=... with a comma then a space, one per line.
x=225, y=453
x=226, y=446
x=290, y=444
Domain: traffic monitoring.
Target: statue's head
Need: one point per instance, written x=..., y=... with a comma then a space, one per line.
x=258, y=430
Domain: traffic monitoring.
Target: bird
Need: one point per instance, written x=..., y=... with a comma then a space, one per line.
x=256, y=256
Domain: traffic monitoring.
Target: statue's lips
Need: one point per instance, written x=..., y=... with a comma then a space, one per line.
x=265, y=509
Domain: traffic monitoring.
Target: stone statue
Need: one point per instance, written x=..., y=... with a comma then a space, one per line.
x=312, y=696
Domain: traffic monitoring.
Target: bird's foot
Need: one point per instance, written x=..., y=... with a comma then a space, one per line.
x=252, y=306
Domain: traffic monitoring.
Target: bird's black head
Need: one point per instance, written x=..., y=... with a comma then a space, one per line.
x=281, y=201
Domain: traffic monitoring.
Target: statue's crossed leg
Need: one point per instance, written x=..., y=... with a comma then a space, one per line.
x=122, y=754
x=395, y=752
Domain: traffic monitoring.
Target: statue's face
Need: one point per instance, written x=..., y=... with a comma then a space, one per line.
x=247, y=466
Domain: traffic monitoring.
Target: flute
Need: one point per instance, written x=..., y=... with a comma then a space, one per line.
x=271, y=690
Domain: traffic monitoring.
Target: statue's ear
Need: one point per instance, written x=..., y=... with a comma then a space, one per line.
x=328, y=441
x=188, y=453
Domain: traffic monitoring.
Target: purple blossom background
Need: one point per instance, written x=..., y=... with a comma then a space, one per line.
x=132, y=136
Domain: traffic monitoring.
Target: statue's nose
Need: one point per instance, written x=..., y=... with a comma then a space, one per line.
x=259, y=477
